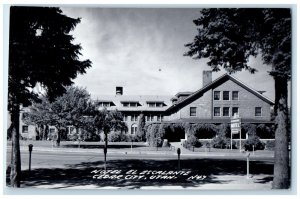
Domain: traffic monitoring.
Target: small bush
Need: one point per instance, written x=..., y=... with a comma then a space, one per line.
x=221, y=142
x=118, y=137
x=113, y=137
x=253, y=140
x=191, y=141
x=270, y=145
x=206, y=144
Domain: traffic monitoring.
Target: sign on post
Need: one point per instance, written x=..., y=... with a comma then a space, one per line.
x=235, y=126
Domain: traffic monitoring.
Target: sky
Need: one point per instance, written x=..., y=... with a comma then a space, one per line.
x=142, y=50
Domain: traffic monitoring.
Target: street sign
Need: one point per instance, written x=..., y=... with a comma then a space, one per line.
x=235, y=131
x=235, y=126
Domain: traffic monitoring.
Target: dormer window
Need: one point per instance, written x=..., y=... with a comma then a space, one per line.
x=130, y=104
x=105, y=104
x=155, y=104
x=126, y=104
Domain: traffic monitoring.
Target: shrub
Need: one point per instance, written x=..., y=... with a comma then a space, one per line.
x=206, y=143
x=118, y=137
x=155, y=135
x=220, y=142
x=191, y=141
x=253, y=140
x=270, y=144
x=113, y=137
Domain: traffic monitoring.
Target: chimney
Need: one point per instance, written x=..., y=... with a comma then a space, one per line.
x=207, y=77
x=119, y=90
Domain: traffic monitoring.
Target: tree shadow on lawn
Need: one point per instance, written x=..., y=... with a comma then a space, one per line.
x=80, y=174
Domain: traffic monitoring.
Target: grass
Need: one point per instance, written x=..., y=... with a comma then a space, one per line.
x=136, y=146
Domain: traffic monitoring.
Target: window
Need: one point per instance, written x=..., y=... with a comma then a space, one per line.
x=193, y=111
x=134, y=117
x=151, y=104
x=226, y=111
x=52, y=131
x=155, y=104
x=235, y=95
x=133, y=129
x=126, y=104
x=24, y=129
x=125, y=117
x=106, y=104
x=217, y=111
x=225, y=95
x=257, y=111
x=235, y=110
x=133, y=104
x=159, y=104
x=160, y=118
x=70, y=129
x=216, y=95
x=151, y=117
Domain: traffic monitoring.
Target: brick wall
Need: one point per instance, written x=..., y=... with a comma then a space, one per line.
x=246, y=104
x=203, y=107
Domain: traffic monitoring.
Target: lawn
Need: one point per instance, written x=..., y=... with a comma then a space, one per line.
x=136, y=146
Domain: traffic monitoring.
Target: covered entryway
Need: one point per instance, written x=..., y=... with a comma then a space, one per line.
x=174, y=134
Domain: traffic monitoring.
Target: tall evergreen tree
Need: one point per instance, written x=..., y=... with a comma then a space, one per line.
x=40, y=51
x=228, y=37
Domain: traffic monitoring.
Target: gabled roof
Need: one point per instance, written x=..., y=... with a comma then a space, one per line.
x=215, y=83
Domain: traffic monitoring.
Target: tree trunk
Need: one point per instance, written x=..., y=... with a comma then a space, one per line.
x=15, y=172
x=105, y=149
x=281, y=165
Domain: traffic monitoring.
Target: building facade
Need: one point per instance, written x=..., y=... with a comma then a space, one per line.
x=220, y=100
x=216, y=102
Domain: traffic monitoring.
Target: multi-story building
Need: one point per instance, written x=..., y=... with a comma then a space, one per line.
x=220, y=100
x=132, y=106
x=216, y=102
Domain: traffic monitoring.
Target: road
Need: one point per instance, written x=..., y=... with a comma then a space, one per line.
x=61, y=159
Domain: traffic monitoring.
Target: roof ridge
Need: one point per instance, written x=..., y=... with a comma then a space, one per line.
x=216, y=80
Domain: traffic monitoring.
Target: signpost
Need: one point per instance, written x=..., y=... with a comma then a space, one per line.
x=30, y=146
x=178, y=152
x=235, y=129
x=248, y=155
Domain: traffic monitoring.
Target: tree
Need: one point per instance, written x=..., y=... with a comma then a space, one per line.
x=141, y=132
x=107, y=121
x=74, y=108
x=40, y=51
x=228, y=37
